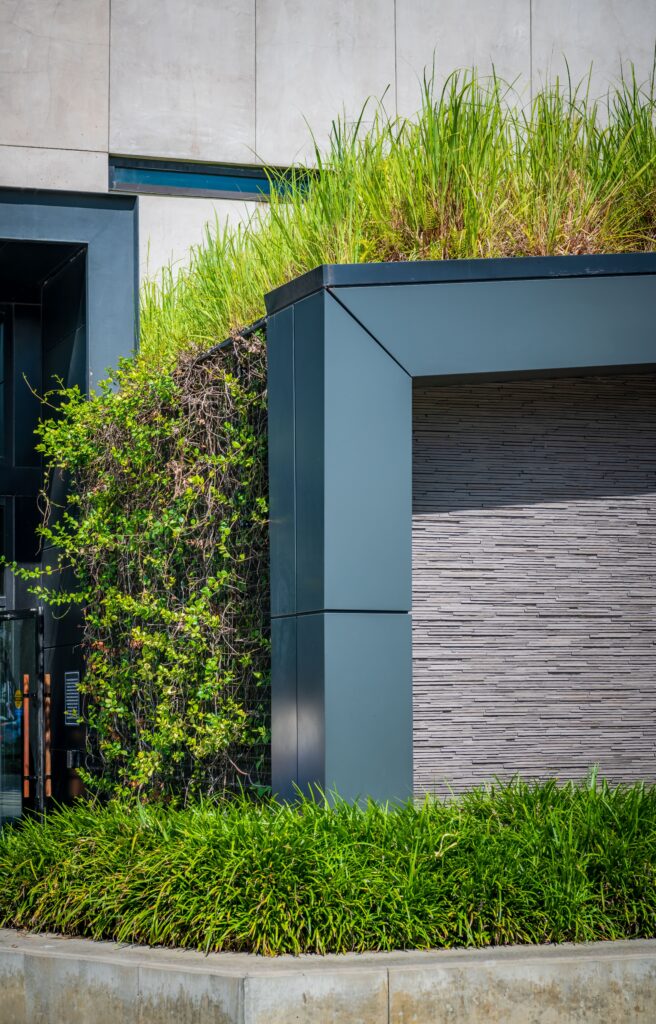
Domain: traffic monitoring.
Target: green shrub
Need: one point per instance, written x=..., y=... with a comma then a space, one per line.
x=164, y=527
x=516, y=864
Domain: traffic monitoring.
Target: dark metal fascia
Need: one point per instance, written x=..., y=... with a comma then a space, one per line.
x=347, y=275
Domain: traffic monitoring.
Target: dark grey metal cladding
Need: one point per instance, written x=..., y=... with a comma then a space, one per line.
x=311, y=690
x=513, y=268
x=107, y=225
x=511, y=326
x=354, y=331
x=309, y=330
x=282, y=488
x=368, y=705
x=354, y=705
x=284, y=701
x=340, y=510
x=367, y=471
x=353, y=456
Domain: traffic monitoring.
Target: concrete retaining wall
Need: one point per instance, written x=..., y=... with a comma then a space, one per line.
x=46, y=980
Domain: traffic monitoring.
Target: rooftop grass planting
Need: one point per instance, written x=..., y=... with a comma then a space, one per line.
x=512, y=864
x=478, y=172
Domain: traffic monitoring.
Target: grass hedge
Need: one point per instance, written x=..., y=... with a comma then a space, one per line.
x=511, y=864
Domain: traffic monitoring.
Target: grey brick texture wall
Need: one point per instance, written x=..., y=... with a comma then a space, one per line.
x=534, y=580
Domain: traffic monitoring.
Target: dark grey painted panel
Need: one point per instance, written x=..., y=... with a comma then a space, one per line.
x=368, y=705
x=64, y=301
x=424, y=272
x=284, y=743
x=111, y=316
x=57, y=661
x=534, y=612
x=282, y=494
x=66, y=361
x=20, y=480
x=309, y=376
x=27, y=380
x=62, y=625
x=511, y=326
x=108, y=226
x=367, y=472
x=310, y=690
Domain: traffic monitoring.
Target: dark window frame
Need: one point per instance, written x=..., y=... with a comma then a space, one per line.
x=190, y=173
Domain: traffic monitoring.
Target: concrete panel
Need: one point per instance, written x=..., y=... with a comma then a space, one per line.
x=54, y=73
x=182, y=79
x=512, y=326
x=599, y=32
x=73, y=170
x=170, y=225
x=188, y=997
x=312, y=61
x=78, y=991
x=450, y=34
x=562, y=990
x=12, y=986
x=328, y=997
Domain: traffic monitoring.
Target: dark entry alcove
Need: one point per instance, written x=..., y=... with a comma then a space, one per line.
x=68, y=312
x=43, y=343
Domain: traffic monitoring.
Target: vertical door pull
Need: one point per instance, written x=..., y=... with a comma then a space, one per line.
x=26, y=737
x=47, y=735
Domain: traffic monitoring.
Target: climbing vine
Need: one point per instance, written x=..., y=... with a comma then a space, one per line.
x=164, y=530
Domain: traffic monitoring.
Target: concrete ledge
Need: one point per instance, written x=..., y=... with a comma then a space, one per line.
x=48, y=980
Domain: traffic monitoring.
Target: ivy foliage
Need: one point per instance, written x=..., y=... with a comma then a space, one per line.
x=163, y=528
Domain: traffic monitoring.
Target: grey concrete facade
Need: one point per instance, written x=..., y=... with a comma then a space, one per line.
x=239, y=81
x=47, y=980
x=345, y=344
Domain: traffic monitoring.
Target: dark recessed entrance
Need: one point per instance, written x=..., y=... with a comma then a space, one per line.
x=43, y=341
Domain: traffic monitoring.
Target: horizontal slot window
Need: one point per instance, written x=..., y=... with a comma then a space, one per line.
x=166, y=177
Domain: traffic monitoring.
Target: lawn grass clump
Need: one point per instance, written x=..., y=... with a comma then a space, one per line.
x=516, y=863
x=477, y=172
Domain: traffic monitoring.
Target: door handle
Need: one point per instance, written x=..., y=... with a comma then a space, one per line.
x=47, y=736
x=26, y=737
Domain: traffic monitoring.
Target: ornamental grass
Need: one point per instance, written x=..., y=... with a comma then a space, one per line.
x=515, y=863
x=478, y=172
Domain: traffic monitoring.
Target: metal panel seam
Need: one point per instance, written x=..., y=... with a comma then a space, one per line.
x=367, y=331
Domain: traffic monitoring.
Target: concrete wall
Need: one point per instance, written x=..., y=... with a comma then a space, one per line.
x=169, y=225
x=48, y=980
x=236, y=80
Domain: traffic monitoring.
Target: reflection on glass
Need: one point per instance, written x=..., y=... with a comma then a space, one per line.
x=3, y=550
x=17, y=659
x=2, y=390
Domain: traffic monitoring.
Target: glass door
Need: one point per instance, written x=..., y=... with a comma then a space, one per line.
x=21, y=715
